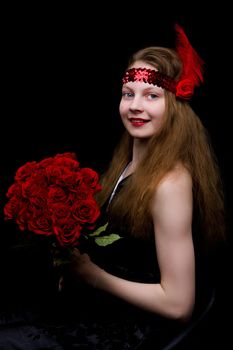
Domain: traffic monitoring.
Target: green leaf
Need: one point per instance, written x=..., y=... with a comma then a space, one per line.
x=106, y=240
x=99, y=230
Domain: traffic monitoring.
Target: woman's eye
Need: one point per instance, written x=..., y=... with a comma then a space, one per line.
x=127, y=94
x=152, y=96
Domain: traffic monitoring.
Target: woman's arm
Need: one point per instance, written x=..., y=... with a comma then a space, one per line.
x=172, y=215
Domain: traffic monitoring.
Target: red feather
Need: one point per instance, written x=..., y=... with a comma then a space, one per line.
x=192, y=62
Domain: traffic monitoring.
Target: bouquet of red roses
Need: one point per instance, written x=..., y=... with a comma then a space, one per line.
x=54, y=197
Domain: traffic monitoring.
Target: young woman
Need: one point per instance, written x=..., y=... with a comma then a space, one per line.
x=144, y=273
x=162, y=196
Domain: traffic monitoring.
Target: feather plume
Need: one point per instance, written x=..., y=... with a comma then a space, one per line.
x=192, y=62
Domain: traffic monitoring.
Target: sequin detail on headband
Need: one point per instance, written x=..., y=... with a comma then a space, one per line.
x=149, y=76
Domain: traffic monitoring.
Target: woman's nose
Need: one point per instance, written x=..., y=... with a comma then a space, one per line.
x=136, y=104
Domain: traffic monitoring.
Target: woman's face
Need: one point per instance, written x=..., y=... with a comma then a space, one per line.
x=142, y=106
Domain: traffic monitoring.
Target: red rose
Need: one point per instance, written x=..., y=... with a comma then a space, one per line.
x=14, y=190
x=24, y=171
x=11, y=209
x=34, y=185
x=68, y=161
x=81, y=191
x=24, y=215
x=85, y=211
x=68, y=232
x=90, y=178
x=54, y=197
x=185, y=89
x=41, y=224
x=59, y=211
x=57, y=194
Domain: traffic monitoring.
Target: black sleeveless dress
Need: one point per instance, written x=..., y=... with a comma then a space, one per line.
x=82, y=317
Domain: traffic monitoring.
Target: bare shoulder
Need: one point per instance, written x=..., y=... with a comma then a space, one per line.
x=172, y=207
x=178, y=179
x=173, y=194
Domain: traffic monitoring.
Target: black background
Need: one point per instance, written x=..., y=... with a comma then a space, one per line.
x=61, y=80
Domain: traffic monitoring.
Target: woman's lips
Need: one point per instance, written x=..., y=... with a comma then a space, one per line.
x=138, y=121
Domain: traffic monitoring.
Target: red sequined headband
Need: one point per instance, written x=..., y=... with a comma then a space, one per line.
x=149, y=76
x=191, y=74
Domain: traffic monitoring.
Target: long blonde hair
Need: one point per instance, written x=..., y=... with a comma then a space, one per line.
x=181, y=139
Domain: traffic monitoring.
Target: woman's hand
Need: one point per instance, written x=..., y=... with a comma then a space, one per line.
x=82, y=267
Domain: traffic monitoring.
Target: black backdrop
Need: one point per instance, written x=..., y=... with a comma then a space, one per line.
x=62, y=71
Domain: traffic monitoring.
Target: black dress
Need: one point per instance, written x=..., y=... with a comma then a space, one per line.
x=82, y=317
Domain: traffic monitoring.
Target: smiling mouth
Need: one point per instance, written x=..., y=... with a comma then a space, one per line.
x=138, y=121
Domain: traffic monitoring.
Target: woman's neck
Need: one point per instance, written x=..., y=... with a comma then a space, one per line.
x=139, y=150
